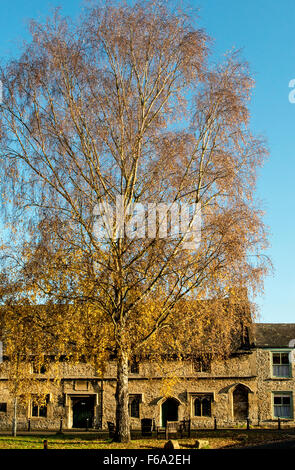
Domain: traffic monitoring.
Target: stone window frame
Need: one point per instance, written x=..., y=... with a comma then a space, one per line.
x=283, y=393
x=203, y=363
x=32, y=406
x=3, y=407
x=280, y=351
x=134, y=397
x=193, y=396
x=201, y=397
x=39, y=369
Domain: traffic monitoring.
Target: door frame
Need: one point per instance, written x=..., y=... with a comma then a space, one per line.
x=249, y=391
x=179, y=408
x=69, y=406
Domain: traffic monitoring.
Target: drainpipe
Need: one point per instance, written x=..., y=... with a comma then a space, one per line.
x=101, y=404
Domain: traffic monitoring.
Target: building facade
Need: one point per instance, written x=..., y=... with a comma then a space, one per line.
x=257, y=382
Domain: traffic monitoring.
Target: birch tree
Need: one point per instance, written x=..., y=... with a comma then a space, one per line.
x=125, y=105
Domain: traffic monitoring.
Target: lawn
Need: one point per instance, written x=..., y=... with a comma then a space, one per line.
x=217, y=440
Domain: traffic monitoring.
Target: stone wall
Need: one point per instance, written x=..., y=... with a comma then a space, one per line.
x=154, y=384
x=267, y=384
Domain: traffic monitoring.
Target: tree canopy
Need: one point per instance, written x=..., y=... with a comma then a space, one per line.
x=126, y=104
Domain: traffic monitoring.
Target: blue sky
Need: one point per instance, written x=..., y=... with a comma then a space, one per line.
x=264, y=30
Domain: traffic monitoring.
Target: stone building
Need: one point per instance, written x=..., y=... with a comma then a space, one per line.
x=256, y=382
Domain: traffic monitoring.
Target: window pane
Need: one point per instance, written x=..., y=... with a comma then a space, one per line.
x=206, y=407
x=281, y=371
x=282, y=406
x=285, y=358
x=34, y=410
x=198, y=407
x=276, y=358
x=43, y=411
x=282, y=411
x=277, y=400
x=286, y=400
x=286, y=411
x=202, y=364
x=134, y=407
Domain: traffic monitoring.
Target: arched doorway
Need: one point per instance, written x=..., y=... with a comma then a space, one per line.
x=169, y=410
x=241, y=402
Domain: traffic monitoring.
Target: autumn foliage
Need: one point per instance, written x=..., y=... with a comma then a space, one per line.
x=126, y=103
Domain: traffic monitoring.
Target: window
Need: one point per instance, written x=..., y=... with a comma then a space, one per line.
x=282, y=405
x=39, y=369
x=3, y=407
x=202, y=364
x=134, y=366
x=39, y=411
x=202, y=405
x=134, y=401
x=281, y=364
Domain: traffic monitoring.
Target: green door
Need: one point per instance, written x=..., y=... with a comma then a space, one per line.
x=83, y=410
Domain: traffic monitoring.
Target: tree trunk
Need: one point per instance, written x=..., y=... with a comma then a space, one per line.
x=122, y=433
x=14, y=421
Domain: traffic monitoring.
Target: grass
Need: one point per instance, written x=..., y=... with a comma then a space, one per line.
x=217, y=440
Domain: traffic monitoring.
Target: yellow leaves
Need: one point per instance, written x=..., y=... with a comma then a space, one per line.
x=145, y=294
x=168, y=386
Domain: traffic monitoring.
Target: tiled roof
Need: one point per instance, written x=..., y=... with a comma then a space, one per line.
x=274, y=335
